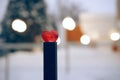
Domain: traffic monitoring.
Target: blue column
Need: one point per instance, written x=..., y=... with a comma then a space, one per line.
x=50, y=60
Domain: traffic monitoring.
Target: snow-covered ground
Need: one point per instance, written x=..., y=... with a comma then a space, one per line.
x=82, y=63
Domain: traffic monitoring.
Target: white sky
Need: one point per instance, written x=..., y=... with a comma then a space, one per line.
x=3, y=5
x=91, y=6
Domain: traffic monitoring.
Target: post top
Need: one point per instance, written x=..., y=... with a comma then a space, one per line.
x=50, y=36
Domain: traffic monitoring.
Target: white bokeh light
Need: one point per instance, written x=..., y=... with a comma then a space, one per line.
x=68, y=23
x=85, y=40
x=19, y=25
x=58, y=41
x=115, y=36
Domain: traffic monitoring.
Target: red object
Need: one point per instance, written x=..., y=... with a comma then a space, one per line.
x=50, y=36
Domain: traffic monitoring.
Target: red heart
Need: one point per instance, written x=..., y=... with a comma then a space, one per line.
x=50, y=36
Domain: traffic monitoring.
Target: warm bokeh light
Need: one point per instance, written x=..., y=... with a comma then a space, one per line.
x=115, y=36
x=19, y=25
x=68, y=23
x=85, y=39
x=58, y=41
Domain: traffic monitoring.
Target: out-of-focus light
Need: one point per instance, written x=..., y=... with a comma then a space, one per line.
x=19, y=25
x=115, y=36
x=85, y=39
x=68, y=23
x=58, y=41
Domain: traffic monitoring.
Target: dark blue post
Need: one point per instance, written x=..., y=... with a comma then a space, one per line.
x=50, y=61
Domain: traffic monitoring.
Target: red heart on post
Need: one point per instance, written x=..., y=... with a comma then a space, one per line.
x=50, y=36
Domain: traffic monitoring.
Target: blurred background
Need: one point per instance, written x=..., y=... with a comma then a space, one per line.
x=88, y=42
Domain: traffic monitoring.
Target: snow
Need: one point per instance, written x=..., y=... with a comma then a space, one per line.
x=82, y=63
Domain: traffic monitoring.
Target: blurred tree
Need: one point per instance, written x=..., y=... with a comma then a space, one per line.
x=72, y=11
x=52, y=21
x=32, y=12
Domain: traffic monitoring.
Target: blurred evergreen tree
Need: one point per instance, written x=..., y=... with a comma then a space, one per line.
x=32, y=12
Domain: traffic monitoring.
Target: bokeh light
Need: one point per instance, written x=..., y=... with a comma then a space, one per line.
x=19, y=25
x=68, y=23
x=58, y=41
x=85, y=39
x=115, y=36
